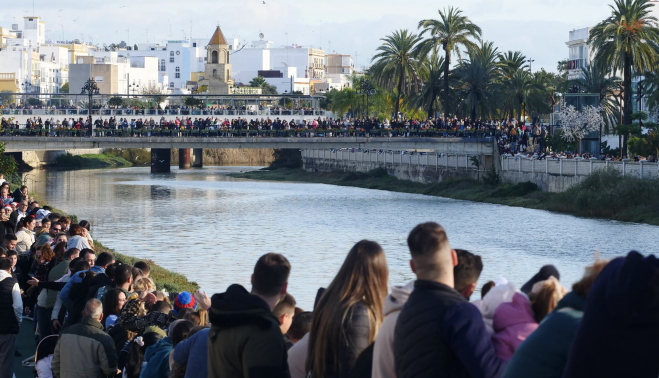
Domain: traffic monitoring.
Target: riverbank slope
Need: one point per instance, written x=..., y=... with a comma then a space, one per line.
x=605, y=194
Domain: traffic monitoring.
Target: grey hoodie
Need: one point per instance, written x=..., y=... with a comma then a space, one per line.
x=383, y=351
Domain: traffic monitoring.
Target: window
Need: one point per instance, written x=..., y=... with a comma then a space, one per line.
x=214, y=73
x=171, y=59
x=171, y=85
x=171, y=53
x=162, y=65
x=177, y=75
x=194, y=44
x=214, y=56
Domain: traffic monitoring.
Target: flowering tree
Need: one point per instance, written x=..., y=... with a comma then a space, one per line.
x=575, y=124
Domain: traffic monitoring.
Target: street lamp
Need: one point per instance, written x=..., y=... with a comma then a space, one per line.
x=26, y=86
x=530, y=61
x=91, y=89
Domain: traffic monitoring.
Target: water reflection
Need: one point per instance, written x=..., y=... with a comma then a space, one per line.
x=212, y=228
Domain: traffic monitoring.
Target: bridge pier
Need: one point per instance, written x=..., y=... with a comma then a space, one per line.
x=161, y=159
x=183, y=158
x=197, y=158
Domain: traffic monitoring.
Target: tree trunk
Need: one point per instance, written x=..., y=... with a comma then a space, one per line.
x=400, y=88
x=627, y=102
x=447, y=63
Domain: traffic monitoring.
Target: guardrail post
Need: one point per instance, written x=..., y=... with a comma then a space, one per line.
x=624, y=167
x=436, y=160
x=560, y=167
x=576, y=164
x=446, y=165
x=466, y=161
x=641, y=168
x=591, y=166
x=532, y=166
x=546, y=165
x=520, y=163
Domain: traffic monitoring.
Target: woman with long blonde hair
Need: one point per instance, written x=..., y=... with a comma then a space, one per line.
x=349, y=313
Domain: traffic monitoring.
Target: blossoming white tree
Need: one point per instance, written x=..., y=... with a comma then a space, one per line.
x=575, y=124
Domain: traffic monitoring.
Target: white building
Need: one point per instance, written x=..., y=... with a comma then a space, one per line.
x=579, y=52
x=115, y=74
x=178, y=62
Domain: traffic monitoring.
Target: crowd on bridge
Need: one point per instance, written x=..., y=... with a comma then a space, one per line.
x=93, y=316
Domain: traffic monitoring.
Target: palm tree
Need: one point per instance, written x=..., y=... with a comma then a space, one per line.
x=450, y=32
x=395, y=66
x=626, y=41
x=651, y=86
x=478, y=78
x=511, y=62
x=431, y=71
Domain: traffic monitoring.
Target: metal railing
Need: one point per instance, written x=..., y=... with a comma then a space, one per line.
x=426, y=159
x=578, y=167
x=163, y=112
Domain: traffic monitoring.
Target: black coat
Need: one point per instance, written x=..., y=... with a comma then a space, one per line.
x=354, y=339
x=245, y=339
x=440, y=334
x=99, y=281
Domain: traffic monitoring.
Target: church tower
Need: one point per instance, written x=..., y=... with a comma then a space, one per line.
x=218, y=68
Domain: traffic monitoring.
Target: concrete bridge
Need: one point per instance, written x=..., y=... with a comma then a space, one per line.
x=161, y=146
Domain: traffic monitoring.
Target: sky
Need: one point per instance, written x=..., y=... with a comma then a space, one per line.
x=537, y=28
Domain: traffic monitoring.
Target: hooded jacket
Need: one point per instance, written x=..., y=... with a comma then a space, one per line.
x=245, y=339
x=513, y=323
x=383, y=351
x=544, y=353
x=157, y=359
x=499, y=294
x=619, y=333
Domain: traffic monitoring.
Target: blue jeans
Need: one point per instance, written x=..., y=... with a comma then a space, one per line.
x=43, y=321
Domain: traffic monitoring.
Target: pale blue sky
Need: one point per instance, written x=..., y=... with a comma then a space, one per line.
x=538, y=28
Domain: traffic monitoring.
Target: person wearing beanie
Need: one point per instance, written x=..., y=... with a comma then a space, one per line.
x=184, y=300
x=619, y=332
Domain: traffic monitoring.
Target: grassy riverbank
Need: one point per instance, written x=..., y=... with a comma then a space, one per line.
x=88, y=161
x=605, y=194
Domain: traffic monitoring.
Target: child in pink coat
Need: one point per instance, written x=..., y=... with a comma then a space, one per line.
x=513, y=323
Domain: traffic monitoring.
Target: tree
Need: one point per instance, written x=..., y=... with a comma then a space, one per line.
x=7, y=163
x=477, y=77
x=627, y=40
x=451, y=32
x=562, y=67
x=6, y=97
x=116, y=101
x=34, y=101
x=155, y=92
x=511, y=62
x=431, y=71
x=395, y=65
x=192, y=102
x=594, y=80
x=64, y=88
x=575, y=125
x=266, y=88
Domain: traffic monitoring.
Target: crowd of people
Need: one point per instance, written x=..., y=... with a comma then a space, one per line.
x=96, y=317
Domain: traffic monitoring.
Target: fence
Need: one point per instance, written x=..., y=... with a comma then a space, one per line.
x=425, y=159
x=578, y=167
x=165, y=112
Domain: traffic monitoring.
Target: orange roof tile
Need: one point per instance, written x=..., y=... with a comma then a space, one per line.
x=218, y=38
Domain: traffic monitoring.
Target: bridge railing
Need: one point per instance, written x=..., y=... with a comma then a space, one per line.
x=578, y=167
x=248, y=132
x=425, y=159
x=161, y=112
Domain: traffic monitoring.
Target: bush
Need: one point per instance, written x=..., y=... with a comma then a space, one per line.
x=286, y=158
x=517, y=190
x=378, y=173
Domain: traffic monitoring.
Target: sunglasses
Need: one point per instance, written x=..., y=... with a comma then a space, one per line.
x=57, y=229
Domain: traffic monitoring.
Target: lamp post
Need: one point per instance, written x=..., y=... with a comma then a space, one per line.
x=26, y=86
x=91, y=89
x=530, y=62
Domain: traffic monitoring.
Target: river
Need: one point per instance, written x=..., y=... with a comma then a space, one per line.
x=212, y=228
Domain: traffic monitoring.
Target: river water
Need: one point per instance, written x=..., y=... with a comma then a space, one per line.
x=212, y=228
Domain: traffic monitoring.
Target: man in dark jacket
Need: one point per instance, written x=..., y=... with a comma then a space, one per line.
x=245, y=340
x=619, y=332
x=11, y=306
x=439, y=333
x=83, y=349
x=103, y=260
